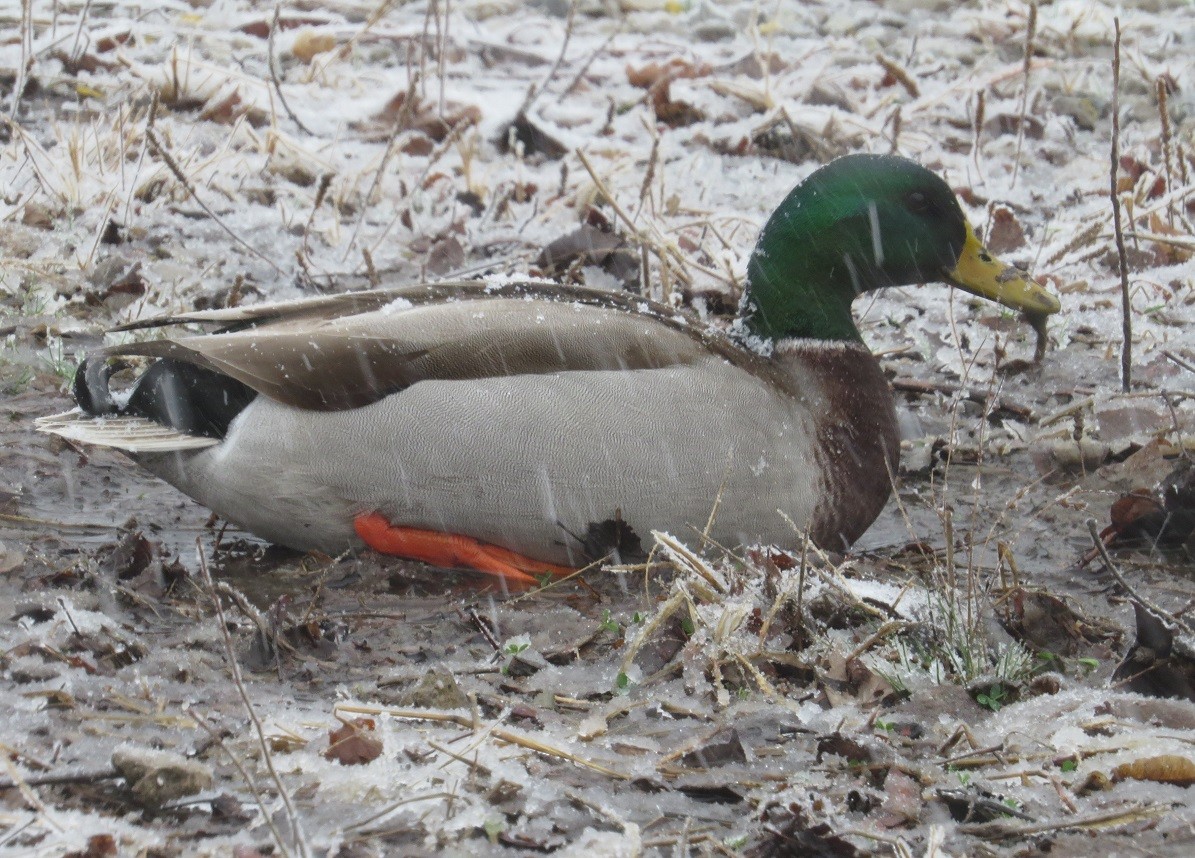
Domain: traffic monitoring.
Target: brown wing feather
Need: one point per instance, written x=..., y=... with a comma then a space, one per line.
x=330, y=354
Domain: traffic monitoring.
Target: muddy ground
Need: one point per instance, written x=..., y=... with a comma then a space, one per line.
x=961, y=684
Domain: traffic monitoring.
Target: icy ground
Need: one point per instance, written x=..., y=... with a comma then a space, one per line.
x=945, y=690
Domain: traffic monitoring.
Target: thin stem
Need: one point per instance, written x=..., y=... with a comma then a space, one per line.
x=1126, y=349
x=296, y=829
x=1030, y=35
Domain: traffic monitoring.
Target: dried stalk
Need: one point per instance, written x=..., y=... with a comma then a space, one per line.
x=296, y=828
x=581, y=72
x=1126, y=350
x=246, y=776
x=1187, y=365
x=108, y=774
x=1000, y=829
x=1164, y=117
x=274, y=73
x=901, y=75
x=151, y=138
x=534, y=92
x=980, y=106
x=1030, y=35
x=18, y=87
x=400, y=123
x=1133, y=594
x=501, y=734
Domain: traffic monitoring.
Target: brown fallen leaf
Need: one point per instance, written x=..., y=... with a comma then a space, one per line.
x=98, y=846
x=902, y=801
x=588, y=245
x=261, y=27
x=1164, y=768
x=645, y=77
x=657, y=80
x=426, y=118
x=227, y=106
x=355, y=743
x=1132, y=170
x=1005, y=233
x=309, y=44
x=1162, y=517
x=1164, y=253
x=791, y=830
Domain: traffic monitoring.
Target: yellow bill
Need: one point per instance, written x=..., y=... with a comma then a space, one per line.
x=982, y=274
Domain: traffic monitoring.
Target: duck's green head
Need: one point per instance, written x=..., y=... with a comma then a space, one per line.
x=863, y=222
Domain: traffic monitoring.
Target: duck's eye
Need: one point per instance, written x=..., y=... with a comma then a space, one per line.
x=917, y=202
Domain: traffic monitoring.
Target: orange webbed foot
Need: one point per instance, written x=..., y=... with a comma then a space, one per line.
x=453, y=550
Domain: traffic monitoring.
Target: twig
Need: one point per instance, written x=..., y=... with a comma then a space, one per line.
x=453, y=135
x=652, y=160
x=916, y=385
x=683, y=557
x=67, y=778
x=245, y=774
x=535, y=92
x=801, y=570
x=659, y=246
x=1164, y=118
x=18, y=87
x=988, y=804
x=1126, y=350
x=74, y=53
x=1120, y=579
x=499, y=733
x=902, y=77
x=1000, y=829
x=152, y=139
x=980, y=106
x=1185, y=364
x=321, y=192
x=371, y=271
x=1172, y=240
x=296, y=828
x=1030, y=35
x=274, y=72
x=589, y=62
x=888, y=628
x=484, y=628
x=400, y=124
x=27, y=792
x=442, y=49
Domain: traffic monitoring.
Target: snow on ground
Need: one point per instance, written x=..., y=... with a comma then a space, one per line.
x=174, y=156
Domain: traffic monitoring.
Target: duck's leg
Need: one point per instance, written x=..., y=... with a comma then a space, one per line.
x=452, y=549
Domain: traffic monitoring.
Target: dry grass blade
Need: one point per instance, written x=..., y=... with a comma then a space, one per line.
x=899, y=74
x=296, y=828
x=272, y=64
x=665, y=611
x=1126, y=307
x=151, y=139
x=1030, y=34
x=1003, y=830
x=27, y=793
x=683, y=557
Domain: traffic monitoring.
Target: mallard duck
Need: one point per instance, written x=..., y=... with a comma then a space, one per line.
x=515, y=427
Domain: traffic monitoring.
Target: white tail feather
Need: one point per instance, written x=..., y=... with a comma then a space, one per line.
x=131, y=434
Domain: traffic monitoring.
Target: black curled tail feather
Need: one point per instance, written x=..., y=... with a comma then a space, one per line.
x=90, y=388
x=173, y=393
